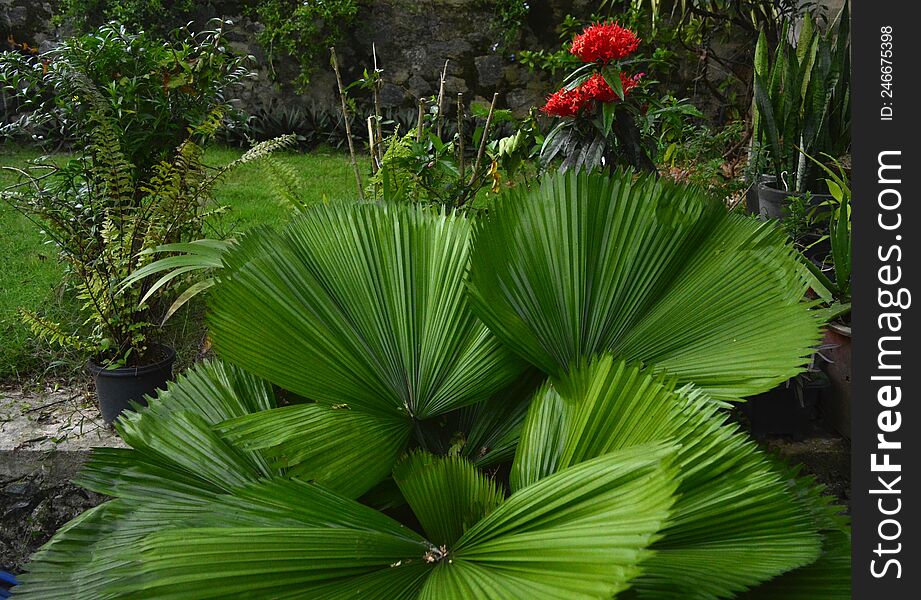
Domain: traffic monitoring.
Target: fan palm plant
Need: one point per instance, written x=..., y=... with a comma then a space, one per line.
x=415, y=453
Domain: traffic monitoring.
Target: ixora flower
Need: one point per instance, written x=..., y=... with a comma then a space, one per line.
x=565, y=103
x=596, y=88
x=604, y=42
x=569, y=103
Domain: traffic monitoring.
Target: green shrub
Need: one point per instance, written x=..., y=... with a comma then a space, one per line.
x=156, y=16
x=303, y=31
x=154, y=91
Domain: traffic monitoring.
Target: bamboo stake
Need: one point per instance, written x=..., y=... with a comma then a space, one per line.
x=419, y=120
x=348, y=127
x=377, y=107
x=460, y=136
x=441, y=98
x=373, y=145
x=479, y=154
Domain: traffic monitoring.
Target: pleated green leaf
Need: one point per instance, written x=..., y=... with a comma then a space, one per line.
x=120, y=533
x=735, y=522
x=647, y=271
x=256, y=537
x=361, y=305
x=176, y=458
x=447, y=494
x=829, y=577
x=173, y=444
x=347, y=451
x=201, y=563
x=579, y=533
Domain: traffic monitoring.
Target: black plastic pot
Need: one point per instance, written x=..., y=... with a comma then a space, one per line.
x=784, y=410
x=773, y=201
x=752, y=202
x=118, y=388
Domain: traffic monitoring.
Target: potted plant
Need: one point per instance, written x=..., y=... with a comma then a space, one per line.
x=801, y=107
x=831, y=283
x=136, y=182
x=105, y=226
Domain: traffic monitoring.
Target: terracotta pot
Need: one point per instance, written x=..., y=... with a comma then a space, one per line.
x=836, y=401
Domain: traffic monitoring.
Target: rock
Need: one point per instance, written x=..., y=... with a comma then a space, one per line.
x=398, y=77
x=512, y=74
x=521, y=100
x=38, y=459
x=455, y=85
x=416, y=59
x=27, y=524
x=489, y=71
x=413, y=40
x=419, y=87
x=391, y=95
x=16, y=17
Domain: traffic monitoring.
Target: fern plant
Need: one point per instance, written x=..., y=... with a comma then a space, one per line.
x=104, y=220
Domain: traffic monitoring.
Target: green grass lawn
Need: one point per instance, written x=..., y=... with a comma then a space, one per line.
x=31, y=277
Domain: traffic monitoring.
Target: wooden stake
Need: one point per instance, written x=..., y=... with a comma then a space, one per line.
x=419, y=120
x=377, y=108
x=460, y=136
x=479, y=154
x=373, y=145
x=441, y=98
x=348, y=127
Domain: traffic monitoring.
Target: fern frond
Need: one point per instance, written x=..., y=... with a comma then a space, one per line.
x=210, y=126
x=52, y=332
x=286, y=182
x=109, y=162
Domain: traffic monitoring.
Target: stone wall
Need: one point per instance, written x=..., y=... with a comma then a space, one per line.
x=413, y=39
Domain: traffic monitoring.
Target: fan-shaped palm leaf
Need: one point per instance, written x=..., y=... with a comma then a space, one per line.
x=735, y=523
x=192, y=536
x=361, y=305
x=647, y=271
x=580, y=533
x=181, y=460
x=447, y=495
x=361, y=309
x=829, y=577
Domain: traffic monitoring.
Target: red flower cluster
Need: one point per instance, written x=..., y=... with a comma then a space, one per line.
x=565, y=103
x=604, y=42
x=568, y=103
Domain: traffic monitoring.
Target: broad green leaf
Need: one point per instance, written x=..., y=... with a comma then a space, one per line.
x=447, y=494
x=768, y=122
x=646, y=271
x=576, y=534
x=829, y=576
x=121, y=533
x=202, y=563
x=804, y=39
x=612, y=78
x=173, y=443
x=735, y=522
x=361, y=305
x=345, y=450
